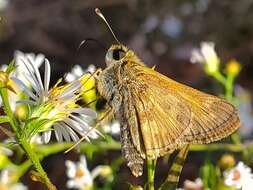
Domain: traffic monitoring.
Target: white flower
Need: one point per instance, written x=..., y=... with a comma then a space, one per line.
x=239, y=177
x=57, y=104
x=193, y=185
x=79, y=175
x=206, y=55
x=113, y=128
x=81, y=178
x=77, y=71
x=8, y=181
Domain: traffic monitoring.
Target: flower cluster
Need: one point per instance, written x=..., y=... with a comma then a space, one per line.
x=51, y=109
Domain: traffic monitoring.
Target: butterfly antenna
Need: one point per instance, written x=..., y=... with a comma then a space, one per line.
x=99, y=13
x=93, y=40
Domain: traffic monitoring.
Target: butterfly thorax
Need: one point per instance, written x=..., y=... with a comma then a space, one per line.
x=107, y=83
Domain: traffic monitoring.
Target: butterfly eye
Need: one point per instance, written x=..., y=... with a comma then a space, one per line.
x=114, y=55
x=118, y=54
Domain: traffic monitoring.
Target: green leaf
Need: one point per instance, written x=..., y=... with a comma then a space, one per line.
x=11, y=67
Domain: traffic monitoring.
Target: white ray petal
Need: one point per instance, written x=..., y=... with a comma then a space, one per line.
x=74, y=125
x=71, y=132
x=39, y=60
x=32, y=83
x=23, y=87
x=86, y=111
x=65, y=133
x=37, y=74
x=46, y=136
x=80, y=121
x=47, y=75
x=72, y=88
x=30, y=102
x=57, y=132
x=31, y=73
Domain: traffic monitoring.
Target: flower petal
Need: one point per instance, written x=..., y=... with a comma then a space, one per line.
x=47, y=75
x=72, y=88
x=46, y=136
x=87, y=111
x=23, y=87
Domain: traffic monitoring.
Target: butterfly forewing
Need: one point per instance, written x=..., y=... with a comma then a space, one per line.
x=171, y=114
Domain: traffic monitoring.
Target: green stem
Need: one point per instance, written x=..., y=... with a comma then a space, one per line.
x=4, y=119
x=23, y=168
x=151, y=173
x=229, y=87
x=8, y=111
x=36, y=162
x=218, y=76
x=220, y=147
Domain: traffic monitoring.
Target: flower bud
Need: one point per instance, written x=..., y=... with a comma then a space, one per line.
x=21, y=112
x=233, y=68
x=227, y=161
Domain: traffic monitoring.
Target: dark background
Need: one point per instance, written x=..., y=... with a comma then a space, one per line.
x=162, y=33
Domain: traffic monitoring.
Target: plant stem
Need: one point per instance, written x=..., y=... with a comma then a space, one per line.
x=229, y=87
x=8, y=111
x=151, y=173
x=36, y=162
x=4, y=119
x=218, y=76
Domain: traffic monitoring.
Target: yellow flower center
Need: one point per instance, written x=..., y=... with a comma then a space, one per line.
x=236, y=175
x=79, y=173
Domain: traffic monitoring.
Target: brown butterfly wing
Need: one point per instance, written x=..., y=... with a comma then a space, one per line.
x=171, y=114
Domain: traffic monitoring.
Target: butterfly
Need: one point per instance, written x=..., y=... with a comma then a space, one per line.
x=157, y=114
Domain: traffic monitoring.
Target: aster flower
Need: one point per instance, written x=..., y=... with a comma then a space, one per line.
x=8, y=181
x=55, y=108
x=80, y=177
x=206, y=55
x=239, y=177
